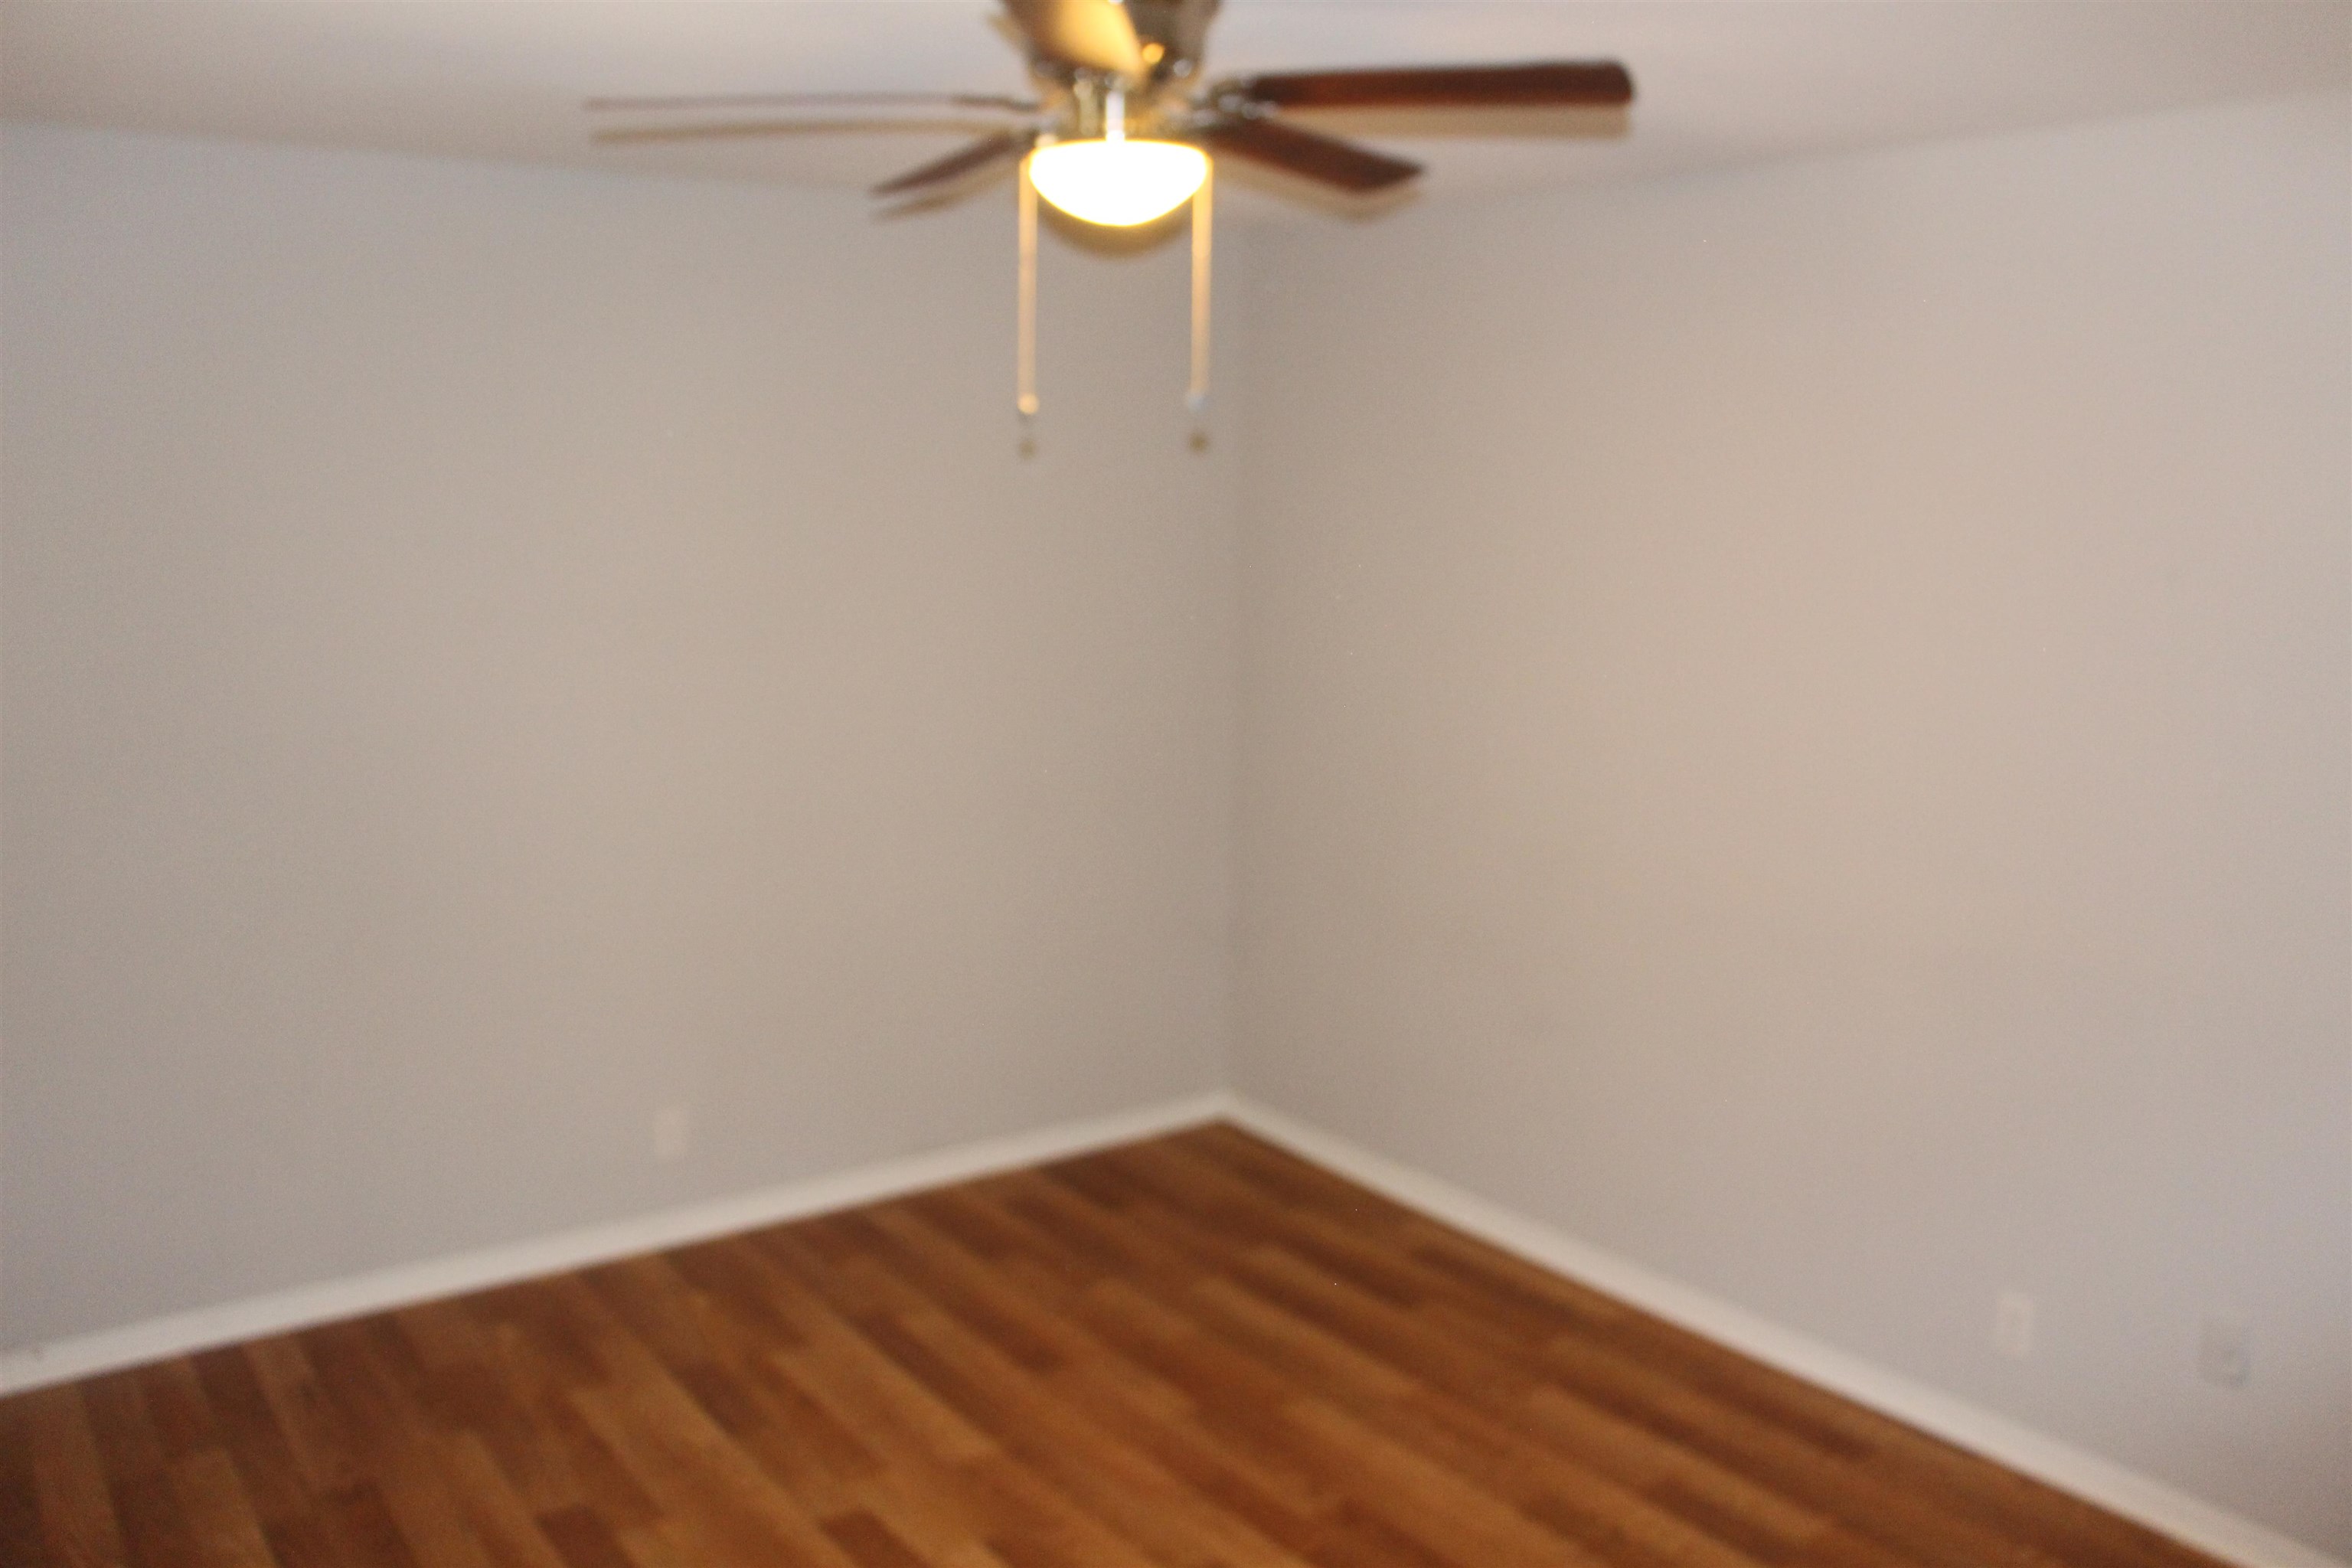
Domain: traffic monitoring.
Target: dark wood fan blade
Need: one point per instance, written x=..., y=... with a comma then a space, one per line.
x=1325, y=159
x=1180, y=28
x=1095, y=34
x=968, y=159
x=1548, y=84
x=808, y=101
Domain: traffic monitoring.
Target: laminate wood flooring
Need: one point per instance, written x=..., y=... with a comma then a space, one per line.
x=1196, y=1352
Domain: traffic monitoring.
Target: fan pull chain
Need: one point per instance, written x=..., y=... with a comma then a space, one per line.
x=1196, y=396
x=1024, y=365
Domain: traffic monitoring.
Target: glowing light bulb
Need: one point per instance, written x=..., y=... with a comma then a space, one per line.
x=1117, y=183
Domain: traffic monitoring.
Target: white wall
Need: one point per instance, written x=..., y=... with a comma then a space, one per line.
x=491, y=652
x=1796, y=729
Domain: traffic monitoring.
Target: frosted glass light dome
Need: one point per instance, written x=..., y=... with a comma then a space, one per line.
x=1117, y=183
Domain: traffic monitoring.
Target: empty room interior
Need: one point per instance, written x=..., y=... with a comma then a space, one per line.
x=1603, y=816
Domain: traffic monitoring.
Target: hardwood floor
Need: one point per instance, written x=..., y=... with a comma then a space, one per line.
x=1192, y=1352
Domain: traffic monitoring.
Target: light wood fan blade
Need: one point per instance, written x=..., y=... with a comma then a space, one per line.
x=1561, y=84
x=1323, y=159
x=809, y=101
x=733, y=130
x=968, y=159
x=1096, y=35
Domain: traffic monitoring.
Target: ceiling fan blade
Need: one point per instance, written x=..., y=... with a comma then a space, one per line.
x=1097, y=35
x=1562, y=84
x=968, y=159
x=1325, y=159
x=1181, y=27
x=730, y=130
x=808, y=101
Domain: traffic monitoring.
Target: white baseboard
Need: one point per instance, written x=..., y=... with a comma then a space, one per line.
x=108, y=1349
x=2151, y=1502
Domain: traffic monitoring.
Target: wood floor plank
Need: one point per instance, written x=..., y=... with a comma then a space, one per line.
x=265, y=1466
x=70, y=1494
x=1496, y=1387
x=1474, y=1394
x=870, y=1543
x=1911, y=1525
x=504, y=1375
x=212, y=1497
x=1098, y=1466
x=715, y=1506
x=175, y=1402
x=491, y=1509
x=584, y=1541
x=1442, y=1507
x=314, y=1433
x=1760, y=1400
x=412, y=1460
x=155, y=1532
x=1195, y=1351
x=24, y=1539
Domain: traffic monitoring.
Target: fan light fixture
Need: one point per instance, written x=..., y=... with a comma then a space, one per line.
x=1118, y=182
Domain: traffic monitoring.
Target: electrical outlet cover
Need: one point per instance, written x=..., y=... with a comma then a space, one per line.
x=2224, y=1355
x=2013, y=1325
x=673, y=1132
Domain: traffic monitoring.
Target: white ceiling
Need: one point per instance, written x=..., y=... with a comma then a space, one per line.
x=1720, y=82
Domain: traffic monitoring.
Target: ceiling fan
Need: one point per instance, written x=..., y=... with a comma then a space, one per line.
x=1122, y=130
